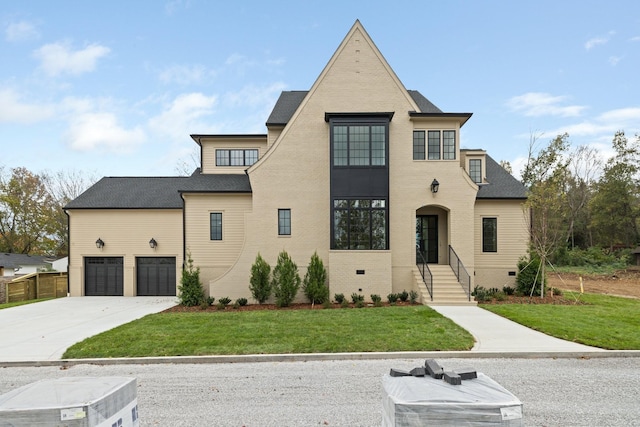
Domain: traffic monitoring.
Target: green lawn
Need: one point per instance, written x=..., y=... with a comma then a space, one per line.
x=414, y=328
x=606, y=322
x=15, y=304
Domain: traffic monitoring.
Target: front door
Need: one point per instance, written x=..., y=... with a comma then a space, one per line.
x=427, y=237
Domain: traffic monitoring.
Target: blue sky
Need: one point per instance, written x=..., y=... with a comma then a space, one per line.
x=116, y=88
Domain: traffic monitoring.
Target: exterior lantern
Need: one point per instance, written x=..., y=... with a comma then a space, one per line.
x=435, y=185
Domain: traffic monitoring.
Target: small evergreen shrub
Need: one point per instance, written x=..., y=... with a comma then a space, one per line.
x=260, y=286
x=392, y=298
x=529, y=277
x=314, y=284
x=344, y=303
x=242, y=302
x=236, y=305
x=356, y=297
x=224, y=301
x=377, y=300
x=404, y=296
x=326, y=303
x=509, y=290
x=481, y=294
x=338, y=298
x=413, y=297
x=285, y=280
x=359, y=303
x=191, y=291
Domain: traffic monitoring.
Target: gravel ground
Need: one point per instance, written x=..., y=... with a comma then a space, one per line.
x=555, y=392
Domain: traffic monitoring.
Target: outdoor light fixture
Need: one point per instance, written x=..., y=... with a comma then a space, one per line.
x=99, y=243
x=435, y=185
x=153, y=243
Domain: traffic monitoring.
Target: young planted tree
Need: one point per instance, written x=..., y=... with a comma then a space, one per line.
x=314, y=284
x=286, y=280
x=191, y=291
x=259, y=284
x=545, y=177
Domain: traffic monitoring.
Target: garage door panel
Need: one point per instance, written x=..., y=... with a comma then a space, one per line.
x=103, y=276
x=156, y=276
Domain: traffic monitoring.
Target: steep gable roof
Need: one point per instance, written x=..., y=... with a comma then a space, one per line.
x=155, y=192
x=11, y=260
x=501, y=184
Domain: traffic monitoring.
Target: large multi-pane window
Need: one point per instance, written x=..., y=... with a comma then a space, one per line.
x=475, y=170
x=449, y=144
x=284, y=222
x=489, y=234
x=359, y=145
x=360, y=224
x=434, y=145
x=236, y=157
x=216, y=225
x=418, y=145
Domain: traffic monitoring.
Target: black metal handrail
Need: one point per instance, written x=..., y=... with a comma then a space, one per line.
x=461, y=273
x=421, y=263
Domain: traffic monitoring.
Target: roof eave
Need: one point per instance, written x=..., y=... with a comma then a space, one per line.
x=463, y=117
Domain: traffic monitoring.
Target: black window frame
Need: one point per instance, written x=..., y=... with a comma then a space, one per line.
x=475, y=170
x=284, y=222
x=353, y=224
x=490, y=234
x=354, y=152
x=236, y=156
x=448, y=144
x=419, y=147
x=433, y=145
x=215, y=229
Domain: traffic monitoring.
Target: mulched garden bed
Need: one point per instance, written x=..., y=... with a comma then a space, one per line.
x=255, y=307
x=548, y=299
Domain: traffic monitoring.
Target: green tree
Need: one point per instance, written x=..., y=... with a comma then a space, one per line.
x=314, y=284
x=191, y=291
x=259, y=285
x=27, y=214
x=615, y=208
x=286, y=280
x=545, y=176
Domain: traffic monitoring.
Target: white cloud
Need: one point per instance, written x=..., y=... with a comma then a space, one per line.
x=183, y=116
x=60, y=58
x=20, y=31
x=543, y=104
x=253, y=96
x=90, y=131
x=597, y=41
x=605, y=125
x=14, y=110
x=613, y=60
x=635, y=39
x=185, y=75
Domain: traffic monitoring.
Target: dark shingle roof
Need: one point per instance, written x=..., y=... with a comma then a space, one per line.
x=155, y=192
x=501, y=184
x=10, y=260
x=289, y=101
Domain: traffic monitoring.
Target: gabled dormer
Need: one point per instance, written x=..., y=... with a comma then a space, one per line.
x=229, y=154
x=474, y=162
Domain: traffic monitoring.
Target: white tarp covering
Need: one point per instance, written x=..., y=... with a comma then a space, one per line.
x=421, y=401
x=72, y=402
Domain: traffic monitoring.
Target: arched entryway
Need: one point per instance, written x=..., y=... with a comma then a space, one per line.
x=432, y=234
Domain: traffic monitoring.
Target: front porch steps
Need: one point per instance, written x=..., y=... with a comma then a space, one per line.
x=446, y=289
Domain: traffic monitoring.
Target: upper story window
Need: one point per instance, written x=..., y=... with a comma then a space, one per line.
x=359, y=144
x=244, y=157
x=215, y=219
x=441, y=145
x=418, y=145
x=475, y=170
x=284, y=222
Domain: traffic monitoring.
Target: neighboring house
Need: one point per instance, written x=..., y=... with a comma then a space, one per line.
x=60, y=264
x=20, y=264
x=357, y=168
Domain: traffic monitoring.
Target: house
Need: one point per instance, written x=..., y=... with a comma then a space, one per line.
x=358, y=168
x=19, y=264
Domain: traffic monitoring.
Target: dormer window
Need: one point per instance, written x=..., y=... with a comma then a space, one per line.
x=236, y=157
x=440, y=145
x=475, y=170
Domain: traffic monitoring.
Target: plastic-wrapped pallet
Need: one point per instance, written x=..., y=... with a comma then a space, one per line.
x=72, y=402
x=410, y=401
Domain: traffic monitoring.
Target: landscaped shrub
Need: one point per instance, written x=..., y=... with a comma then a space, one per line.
x=344, y=303
x=480, y=293
x=223, y=302
x=242, y=302
x=356, y=297
x=404, y=296
x=191, y=291
x=529, y=276
x=359, y=303
x=508, y=290
x=260, y=286
x=314, y=284
x=392, y=298
x=338, y=298
x=377, y=300
x=286, y=280
x=413, y=297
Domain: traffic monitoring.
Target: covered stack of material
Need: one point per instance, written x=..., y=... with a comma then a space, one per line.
x=72, y=402
x=427, y=396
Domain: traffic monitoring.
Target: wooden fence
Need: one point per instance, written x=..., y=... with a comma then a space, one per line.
x=36, y=286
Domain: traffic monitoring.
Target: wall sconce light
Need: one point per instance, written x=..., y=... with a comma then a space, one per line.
x=435, y=185
x=99, y=243
x=152, y=243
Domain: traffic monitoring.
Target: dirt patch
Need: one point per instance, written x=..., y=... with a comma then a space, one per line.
x=622, y=283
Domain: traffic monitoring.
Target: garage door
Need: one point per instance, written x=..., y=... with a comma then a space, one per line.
x=156, y=276
x=103, y=276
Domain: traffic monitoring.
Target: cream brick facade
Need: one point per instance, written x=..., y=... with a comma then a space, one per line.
x=294, y=172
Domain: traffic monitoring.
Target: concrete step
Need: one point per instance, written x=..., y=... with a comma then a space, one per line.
x=446, y=289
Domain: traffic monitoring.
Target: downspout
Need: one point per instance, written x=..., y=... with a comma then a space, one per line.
x=68, y=250
x=184, y=234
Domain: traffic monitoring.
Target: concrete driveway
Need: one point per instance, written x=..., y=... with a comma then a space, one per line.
x=44, y=330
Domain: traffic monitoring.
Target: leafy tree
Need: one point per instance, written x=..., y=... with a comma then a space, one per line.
x=27, y=214
x=616, y=205
x=584, y=166
x=286, y=280
x=260, y=286
x=191, y=291
x=314, y=284
x=545, y=176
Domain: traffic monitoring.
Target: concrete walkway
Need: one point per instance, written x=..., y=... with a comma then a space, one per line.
x=44, y=330
x=497, y=334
